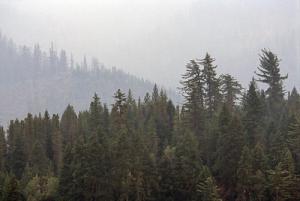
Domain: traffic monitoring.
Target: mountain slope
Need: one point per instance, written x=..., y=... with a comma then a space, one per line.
x=32, y=80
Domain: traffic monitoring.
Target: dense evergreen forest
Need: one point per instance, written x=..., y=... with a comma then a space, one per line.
x=34, y=80
x=224, y=143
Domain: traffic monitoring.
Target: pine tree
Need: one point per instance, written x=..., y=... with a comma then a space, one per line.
x=3, y=150
x=276, y=146
x=12, y=191
x=231, y=89
x=48, y=146
x=57, y=145
x=69, y=125
x=293, y=140
x=193, y=93
x=39, y=160
x=212, y=84
x=253, y=116
x=188, y=167
x=16, y=150
x=29, y=133
x=259, y=158
x=106, y=120
x=269, y=73
x=293, y=102
x=208, y=190
x=41, y=188
x=118, y=112
x=95, y=118
x=66, y=185
x=229, y=146
x=283, y=184
x=245, y=175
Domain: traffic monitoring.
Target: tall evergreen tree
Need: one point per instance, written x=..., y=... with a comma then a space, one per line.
x=269, y=73
x=253, y=116
x=212, y=85
x=245, y=175
x=95, y=118
x=193, y=92
x=293, y=102
x=57, y=145
x=229, y=146
x=68, y=126
x=3, y=150
x=231, y=89
x=16, y=152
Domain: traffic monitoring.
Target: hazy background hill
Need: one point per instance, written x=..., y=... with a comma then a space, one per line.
x=32, y=80
x=154, y=38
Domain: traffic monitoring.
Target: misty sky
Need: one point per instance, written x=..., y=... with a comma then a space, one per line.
x=155, y=38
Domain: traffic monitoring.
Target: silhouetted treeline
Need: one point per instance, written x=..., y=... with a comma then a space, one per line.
x=223, y=143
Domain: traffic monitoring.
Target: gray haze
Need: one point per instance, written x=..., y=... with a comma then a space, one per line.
x=155, y=38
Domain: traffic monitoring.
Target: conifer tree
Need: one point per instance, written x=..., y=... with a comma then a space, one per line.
x=16, y=150
x=293, y=140
x=293, y=102
x=269, y=73
x=66, y=186
x=259, y=158
x=283, y=184
x=208, y=190
x=29, y=132
x=57, y=145
x=95, y=118
x=229, y=146
x=212, y=84
x=193, y=93
x=3, y=149
x=48, y=135
x=69, y=125
x=12, y=191
x=245, y=175
x=231, y=89
x=118, y=112
x=39, y=160
x=253, y=116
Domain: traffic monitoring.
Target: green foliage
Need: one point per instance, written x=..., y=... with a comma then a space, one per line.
x=208, y=190
x=253, y=116
x=11, y=191
x=213, y=148
x=229, y=146
x=231, y=89
x=41, y=188
x=193, y=92
x=269, y=73
x=212, y=85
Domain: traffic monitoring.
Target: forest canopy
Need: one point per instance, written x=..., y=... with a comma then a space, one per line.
x=226, y=142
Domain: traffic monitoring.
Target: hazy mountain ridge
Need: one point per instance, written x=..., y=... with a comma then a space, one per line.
x=34, y=80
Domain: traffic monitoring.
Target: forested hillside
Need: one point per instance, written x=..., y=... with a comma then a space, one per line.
x=224, y=143
x=32, y=80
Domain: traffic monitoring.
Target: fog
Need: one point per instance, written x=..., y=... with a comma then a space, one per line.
x=154, y=38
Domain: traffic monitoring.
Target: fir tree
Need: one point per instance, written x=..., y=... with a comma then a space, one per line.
x=245, y=175
x=212, y=84
x=193, y=92
x=208, y=190
x=229, y=147
x=68, y=126
x=253, y=116
x=231, y=89
x=95, y=118
x=3, y=150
